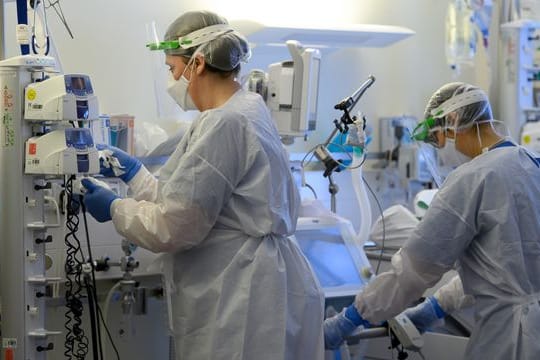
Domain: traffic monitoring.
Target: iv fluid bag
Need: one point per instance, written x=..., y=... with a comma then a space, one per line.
x=460, y=34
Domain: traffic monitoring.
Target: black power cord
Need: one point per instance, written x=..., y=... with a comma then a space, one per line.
x=94, y=320
x=76, y=342
x=93, y=289
x=383, y=224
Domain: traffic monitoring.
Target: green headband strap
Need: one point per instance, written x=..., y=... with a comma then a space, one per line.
x=195, y=38
x=163, y=45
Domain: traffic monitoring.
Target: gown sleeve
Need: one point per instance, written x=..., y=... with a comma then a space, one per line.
x=194, y=195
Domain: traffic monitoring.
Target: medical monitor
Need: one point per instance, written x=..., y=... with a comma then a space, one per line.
x=292, y=91
x=338, y=261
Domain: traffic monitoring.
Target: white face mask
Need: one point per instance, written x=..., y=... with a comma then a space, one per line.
x=178, y=90
x=450, y=156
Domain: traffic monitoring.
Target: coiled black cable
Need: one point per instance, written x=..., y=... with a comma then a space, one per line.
x=76, y=342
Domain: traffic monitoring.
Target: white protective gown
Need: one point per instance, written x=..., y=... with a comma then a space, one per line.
x=485, y=221
x=223, y=207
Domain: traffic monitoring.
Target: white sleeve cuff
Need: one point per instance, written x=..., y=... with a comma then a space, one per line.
x=143, y=185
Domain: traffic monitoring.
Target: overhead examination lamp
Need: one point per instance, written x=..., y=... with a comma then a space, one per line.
x=342, y=125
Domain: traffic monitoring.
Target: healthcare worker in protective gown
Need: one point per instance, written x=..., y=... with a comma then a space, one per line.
x=222, y=208
x=484, y=222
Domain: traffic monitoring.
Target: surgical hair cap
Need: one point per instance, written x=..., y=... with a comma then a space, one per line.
x=474, y=109
x=224, y=52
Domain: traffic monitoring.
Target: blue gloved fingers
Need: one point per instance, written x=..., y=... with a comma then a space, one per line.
x=425, y=314
x=89, y=185
x=106, y=171
x=352, y=314
x=341, y=326
x=336, y=330
x=126, y=166
x=98, y=201
x=438, y=309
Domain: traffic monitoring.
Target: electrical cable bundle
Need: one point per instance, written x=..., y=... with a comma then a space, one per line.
x=95, y=310
x=76, y=342
x=80, y=275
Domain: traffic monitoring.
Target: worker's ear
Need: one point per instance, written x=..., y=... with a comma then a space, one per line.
x=200, y=64
x=441, y=140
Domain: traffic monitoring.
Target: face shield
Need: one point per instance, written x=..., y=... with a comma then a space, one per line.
x=425, y=139
x=425, y=133
x=222, y=47
x=168, y=111
x=167, y=108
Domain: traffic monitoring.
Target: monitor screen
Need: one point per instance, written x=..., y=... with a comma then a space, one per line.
x=329, y=257
x=79, y=138
x=78, y=83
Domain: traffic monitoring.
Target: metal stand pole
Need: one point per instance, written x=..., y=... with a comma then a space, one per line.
x=333, y=190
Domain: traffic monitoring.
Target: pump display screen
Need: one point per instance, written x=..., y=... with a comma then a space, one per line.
x=77, y=83
x=79, y=138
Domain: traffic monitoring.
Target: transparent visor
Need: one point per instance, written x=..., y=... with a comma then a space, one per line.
x=153, y=42
x=167, y=110
x=428, y=155
x=425, y=139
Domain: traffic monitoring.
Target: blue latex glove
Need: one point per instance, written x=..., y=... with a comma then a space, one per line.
x=98, y=200
x=130, y=165
x=339, y=327
x=425, y=314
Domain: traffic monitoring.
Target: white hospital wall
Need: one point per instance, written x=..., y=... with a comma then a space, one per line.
x=110, y=37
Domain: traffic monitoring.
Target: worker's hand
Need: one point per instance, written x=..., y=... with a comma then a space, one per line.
x=114, y=162
x=425, y=314
x=98, y=200
x=339, y=327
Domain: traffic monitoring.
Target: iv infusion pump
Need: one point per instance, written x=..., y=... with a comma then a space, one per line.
x=60, y=98
x=63, y=151
x=61, y=148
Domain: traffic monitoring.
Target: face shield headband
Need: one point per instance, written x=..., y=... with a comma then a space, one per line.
x=193, y=39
